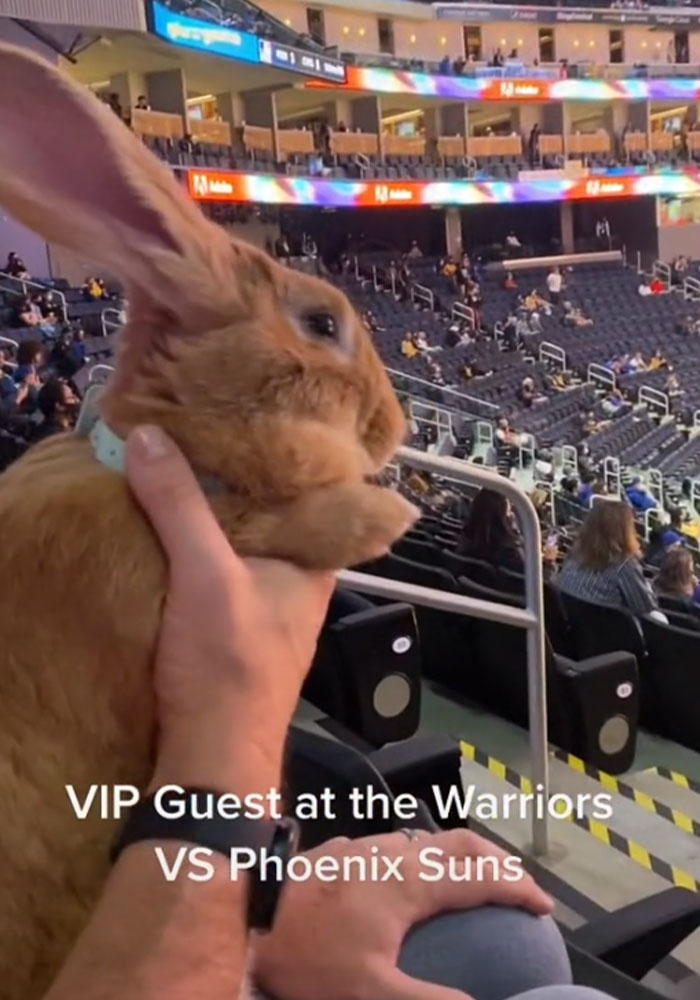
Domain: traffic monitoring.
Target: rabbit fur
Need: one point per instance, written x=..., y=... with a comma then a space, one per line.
x=217, y=353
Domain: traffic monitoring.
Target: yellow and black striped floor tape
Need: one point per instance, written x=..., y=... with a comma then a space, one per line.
x=630, y=848
x=677, y=778
x=642, y=799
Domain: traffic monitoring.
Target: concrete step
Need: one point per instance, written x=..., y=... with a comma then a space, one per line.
x=592, y=868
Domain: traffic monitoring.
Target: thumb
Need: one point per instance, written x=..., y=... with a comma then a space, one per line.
x=396, y=985
x=167, y=490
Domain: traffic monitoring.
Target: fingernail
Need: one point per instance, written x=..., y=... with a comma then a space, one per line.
x=151, y=443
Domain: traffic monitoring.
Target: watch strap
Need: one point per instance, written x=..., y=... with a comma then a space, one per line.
x=273, y=838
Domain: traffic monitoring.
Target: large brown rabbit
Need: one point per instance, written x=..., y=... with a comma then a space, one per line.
x=264, y=377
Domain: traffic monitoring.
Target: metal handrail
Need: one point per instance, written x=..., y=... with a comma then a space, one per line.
x=97, y=368
x=28, y=283
x=453, y=393
x=110, y=325
x=530, y=618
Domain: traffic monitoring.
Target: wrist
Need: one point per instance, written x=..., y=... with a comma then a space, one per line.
x=206, y=757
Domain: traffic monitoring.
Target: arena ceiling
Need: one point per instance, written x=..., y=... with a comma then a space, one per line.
x=141, y=53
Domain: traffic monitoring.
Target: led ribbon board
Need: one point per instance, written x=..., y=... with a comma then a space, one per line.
x=213, y=185
x=484, y=88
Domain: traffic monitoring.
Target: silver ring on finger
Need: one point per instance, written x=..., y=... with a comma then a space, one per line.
x=410, y=834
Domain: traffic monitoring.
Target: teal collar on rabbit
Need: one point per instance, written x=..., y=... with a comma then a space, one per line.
x=109, y=449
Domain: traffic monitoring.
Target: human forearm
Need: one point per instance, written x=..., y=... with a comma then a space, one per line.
x=150, y=937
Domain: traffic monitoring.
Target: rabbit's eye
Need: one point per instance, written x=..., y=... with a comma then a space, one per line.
x=321, y=324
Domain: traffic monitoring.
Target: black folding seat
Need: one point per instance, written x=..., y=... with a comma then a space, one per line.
x=593, y=703
x=476, y=569
x=672, y=679
x=443, y=636
x=366, y=673
x=419, y=551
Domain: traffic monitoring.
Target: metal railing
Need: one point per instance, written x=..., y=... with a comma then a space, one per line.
x=691, y=289
x=601, y=376
x=26, y=283
x=111, y=321
x=648, y=396
x=612, y=479
x=655, y=483
x=530, y=618
x=449, y=394
x=99, y=369
x=552, y=354
x=462, y=312
x=663, y=273
x=423, y=294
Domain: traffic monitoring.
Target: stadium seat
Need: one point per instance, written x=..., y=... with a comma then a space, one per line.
x=366, y=674
x=672, y=682
x=593, y=702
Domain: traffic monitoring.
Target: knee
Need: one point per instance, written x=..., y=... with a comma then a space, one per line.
x=491, y=953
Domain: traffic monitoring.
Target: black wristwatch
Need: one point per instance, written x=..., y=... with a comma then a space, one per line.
x=267, y=838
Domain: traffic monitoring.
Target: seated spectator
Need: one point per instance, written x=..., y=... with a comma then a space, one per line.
x=142, y=103
x=527, y=393
x=30, y=358
x=408, y=347
x=93, y=289
x=489, y=534
x=688, y=327
x=573, y=316
x=589, y=424
x=554, y=285
x=507, y=443
x=679, y=268
x=639, y=497
x=534, y=302
x=672, y=386
x=510, y=284
x=15, y=266
x=614, y=404
x=676, y=576
x=512, y=241
x=421, y=342
x=586, y=489
x=449, y=267
x=604, y=564
x=635, y=364
x=415, y=252
x=657, y=361
x=435, y=373
x=559, y=380
x=59, y=407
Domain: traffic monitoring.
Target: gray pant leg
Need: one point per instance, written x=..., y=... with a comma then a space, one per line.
x=491, y=953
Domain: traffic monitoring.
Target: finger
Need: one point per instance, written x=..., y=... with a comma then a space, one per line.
x=166, y=488
x=475, y=872
x=396, y=985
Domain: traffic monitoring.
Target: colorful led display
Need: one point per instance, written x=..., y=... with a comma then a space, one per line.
x=212, y=185
x=470, y=88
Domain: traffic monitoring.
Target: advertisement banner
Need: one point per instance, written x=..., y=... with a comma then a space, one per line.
x=212, y=185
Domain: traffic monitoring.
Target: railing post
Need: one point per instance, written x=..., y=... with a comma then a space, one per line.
x=531, y=618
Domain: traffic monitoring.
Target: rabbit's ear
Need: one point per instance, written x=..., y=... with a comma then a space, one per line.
x=71, y=171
